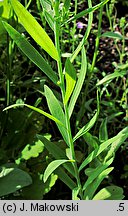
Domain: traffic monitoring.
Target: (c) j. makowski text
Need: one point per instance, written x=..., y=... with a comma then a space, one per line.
x=50, y=207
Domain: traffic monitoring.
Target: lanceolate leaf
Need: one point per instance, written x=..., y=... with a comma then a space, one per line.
x=110, y=193
x=34, y=29
x=52, y=166
x=86, y=128
x=98, y=170
x=90, y=190
x=113, y=35
x=103, y=146
x=37, y=110
x=56, y=110
x=49, y=19
x=57, y=153
x=116, y=144
x=31, y=52
x=79, y=83
x=89, y=10
x=46, y=4
x=65, y=178
x=111, y=76
x=48, y=12
x=70, y=75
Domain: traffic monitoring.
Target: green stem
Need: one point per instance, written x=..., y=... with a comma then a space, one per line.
x=62, y=87
x=109, y=17
x=27, y=4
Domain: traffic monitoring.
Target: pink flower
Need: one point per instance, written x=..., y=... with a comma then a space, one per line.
x=80, y=25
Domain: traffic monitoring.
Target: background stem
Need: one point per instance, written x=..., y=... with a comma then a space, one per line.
x=82, y=110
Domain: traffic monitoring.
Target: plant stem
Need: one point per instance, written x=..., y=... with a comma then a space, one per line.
x=62, y=87
x=27, y=4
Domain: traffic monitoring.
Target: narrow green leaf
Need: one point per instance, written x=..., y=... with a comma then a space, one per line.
x=70, y=75
x=110, y=193
x=79, y=83
x=49, y=18
x=111, y=76
x=48, y=12
x=98, y=170
x=103, y=146
x=113, y=35
x=65, y=178
x=57, y=111
x=37, y=110
x=111, y=117
x=91, y=189
x=57, y=153
x=86, y=128
x=31, y=52
x=116, y=145
x=85, y=12
x=52, y=148
x=103, y=133
x=34, y=29
x=52, y=166
x=46, y=4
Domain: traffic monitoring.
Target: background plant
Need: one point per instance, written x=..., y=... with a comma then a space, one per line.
x=98, y=151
